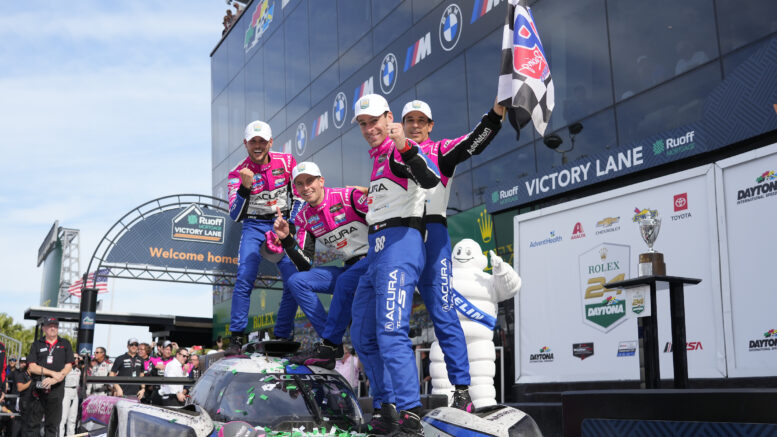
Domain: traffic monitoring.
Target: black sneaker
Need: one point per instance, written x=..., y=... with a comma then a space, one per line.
x=383, y=422
x=462, y=401
x=235, y=345
x=322, y=355
x=409, y=425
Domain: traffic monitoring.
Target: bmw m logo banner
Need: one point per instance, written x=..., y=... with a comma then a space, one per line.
x=525, y=84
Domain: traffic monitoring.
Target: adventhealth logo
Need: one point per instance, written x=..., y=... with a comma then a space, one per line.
x=675, y=145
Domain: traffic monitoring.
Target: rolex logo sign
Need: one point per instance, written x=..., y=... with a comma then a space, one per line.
x=602, y=308
x=192, y=224
x=486, y=226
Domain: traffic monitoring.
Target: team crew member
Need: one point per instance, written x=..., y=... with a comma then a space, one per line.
x=257, y=186
x=21, y=387
x=336, y=218
x=101, y=367
x=175, y=395
x=435, y=278
x=49, y=361
x=3, y=371
x=129, y=364
x=381, y=308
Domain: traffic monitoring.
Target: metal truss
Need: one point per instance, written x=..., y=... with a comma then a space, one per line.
x=165, y=274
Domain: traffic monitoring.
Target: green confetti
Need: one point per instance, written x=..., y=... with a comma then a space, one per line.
x=369, y=427
x=173, y=420
x=343, y=395
x=251, y=399
x=268, y=379
x=294, y=366
x=252, y=389
x=221, y=393
x=263, y=397
x=291, y=387
x=234, y=371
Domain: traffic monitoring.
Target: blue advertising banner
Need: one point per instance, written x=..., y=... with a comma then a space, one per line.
x=194, y=237
x=741, y=107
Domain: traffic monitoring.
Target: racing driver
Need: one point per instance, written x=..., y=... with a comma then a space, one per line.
x=336, y=218
x=435, y=279
x=257, y=187
x=381, y=307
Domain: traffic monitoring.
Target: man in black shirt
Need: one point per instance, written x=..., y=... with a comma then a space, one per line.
x=49, y=361
x=19, y=384
x=129, y=364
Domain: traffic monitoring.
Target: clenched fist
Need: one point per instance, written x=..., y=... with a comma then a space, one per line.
x=397, y=134
x=246, y=177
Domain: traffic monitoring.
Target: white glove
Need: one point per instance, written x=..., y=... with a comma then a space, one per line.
x=506, y=281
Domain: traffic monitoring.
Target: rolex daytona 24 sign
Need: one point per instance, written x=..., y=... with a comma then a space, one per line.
x=603, y=309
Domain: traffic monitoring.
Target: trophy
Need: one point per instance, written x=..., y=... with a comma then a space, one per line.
x=651, y=262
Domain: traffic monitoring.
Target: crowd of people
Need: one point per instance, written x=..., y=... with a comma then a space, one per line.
x=231, y=17
x=45, y=388
x=392, y=237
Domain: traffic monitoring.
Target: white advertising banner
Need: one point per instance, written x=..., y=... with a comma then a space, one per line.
x=570, y=328
x=747, y=217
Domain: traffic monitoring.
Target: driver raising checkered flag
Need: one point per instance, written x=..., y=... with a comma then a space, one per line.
x=525, y=85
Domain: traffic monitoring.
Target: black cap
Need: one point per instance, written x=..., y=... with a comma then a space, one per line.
x=49, y=321
x=23, y=359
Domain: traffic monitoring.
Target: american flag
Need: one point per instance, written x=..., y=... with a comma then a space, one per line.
x=101, y=283
x=525, y=84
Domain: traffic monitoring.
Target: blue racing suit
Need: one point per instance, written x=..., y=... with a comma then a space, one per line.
x=435, y=278
x=338, y=222
x=255, y=207
x=383, y=302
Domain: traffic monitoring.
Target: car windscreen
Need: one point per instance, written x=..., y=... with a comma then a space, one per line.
x=285, y=401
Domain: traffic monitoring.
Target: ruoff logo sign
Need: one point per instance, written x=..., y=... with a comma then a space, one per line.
x=192, y=224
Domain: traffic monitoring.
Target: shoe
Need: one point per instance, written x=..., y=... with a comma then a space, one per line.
x=235, y=345
x=462, y=401
x=383, y=422
x=409, y=425
x=322, y=355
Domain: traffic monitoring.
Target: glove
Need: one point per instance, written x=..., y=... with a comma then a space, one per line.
x=273, y=242
x=506, y=281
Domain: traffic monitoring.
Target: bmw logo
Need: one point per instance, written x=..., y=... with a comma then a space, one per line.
x=450, y=27
x=339, y=110
x=301, y=139
x=388, y=73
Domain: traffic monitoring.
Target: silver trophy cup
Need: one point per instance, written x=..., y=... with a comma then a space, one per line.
x=652, y=262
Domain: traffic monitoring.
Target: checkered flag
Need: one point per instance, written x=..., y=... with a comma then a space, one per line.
x=525, y=84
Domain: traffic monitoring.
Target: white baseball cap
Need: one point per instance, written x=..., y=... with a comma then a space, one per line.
x=417, y=105
x=306, y=167
x=258, y=128
x=371, y=104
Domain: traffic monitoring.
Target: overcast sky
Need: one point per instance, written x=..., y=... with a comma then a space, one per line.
x=103, y=106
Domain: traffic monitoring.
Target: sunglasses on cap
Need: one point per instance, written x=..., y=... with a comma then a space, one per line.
x=133, y=344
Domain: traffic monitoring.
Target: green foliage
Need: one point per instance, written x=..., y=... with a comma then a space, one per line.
x=17, y=331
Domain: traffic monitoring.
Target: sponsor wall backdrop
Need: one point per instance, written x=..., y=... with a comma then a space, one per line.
x=569, y=327
x=747, y=207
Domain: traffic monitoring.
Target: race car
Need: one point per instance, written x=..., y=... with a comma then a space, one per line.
x=492, y=421
x=258, y=395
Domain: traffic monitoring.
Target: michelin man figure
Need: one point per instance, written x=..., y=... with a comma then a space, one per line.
x=475, y=295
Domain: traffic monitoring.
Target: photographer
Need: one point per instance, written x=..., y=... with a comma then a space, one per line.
x=49, y=361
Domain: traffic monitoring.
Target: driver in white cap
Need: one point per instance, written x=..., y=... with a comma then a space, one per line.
x=434, y=284
x=334, y=217
x=381, y=308
x=257, y=187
